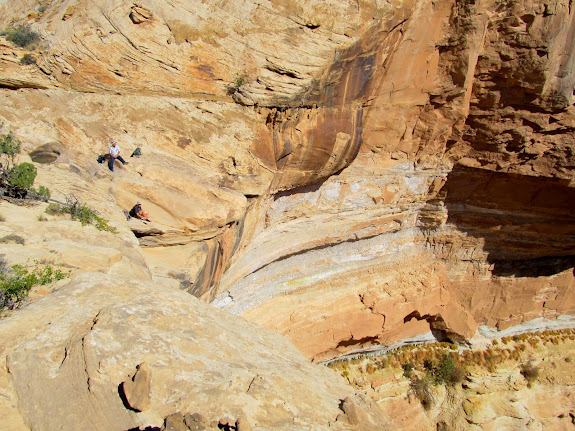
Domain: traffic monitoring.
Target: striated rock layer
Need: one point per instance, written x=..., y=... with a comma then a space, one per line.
x=346, y=173
x=457, y=210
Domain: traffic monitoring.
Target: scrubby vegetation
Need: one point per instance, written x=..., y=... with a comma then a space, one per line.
x=530, y=372
x=22, y=36
x=444, y=371
x=239, y=80
x=421, y=388
x=27, y=59
x=16, y=179
x=427, y=366
x=82, y=213
x=16, y=282
x=17, y=239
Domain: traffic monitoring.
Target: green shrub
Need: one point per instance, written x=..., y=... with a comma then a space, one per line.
x=27, y=59
x=22, y=176
x=82, y=213
x=9, y=145
x=22, y=36
x=17, y=179
x=421, y=388
x=15, y=284
x=235, y=85
x=445, y=371
x=407, y=369
x=42, y=192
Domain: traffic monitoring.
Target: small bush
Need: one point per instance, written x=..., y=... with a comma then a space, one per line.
x=529, y=371
x=370, y=368
x=42, y=192
x=15, y=284
x=407, y=369
x=9, y=145
x=445, y=371
x=457, y=375
x=84, y=214
x=22, y=176
x=27, y=59
x=22, y=36
x=15, y=179
x=235, y=85
x=421, y=388
x=12, y=238
x=42, y=9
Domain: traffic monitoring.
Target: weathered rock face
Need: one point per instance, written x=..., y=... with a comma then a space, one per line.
x=461, y=189
x=346, y=173
x=70, y=357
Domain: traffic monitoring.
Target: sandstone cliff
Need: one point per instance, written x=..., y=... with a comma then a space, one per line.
x=349, y=174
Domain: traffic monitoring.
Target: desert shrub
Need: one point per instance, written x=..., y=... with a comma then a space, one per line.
x=457, y=375
x=42, y=8
x=421, y=388
x=22, y=176
x=9, y=146
x=446, y=371
x=22, y=36
x=529, y=371
x=42, y=192
x=12, y=238
x=84, y=214
x=407, y=369
x=27, y=59
x=235, y=85
x=15, y=179
x=15, y=284
x=370, y=368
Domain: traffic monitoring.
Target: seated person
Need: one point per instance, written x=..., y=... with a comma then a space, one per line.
x=138, y=212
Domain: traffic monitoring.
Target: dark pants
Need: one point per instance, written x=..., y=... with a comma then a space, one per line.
x=111, y=161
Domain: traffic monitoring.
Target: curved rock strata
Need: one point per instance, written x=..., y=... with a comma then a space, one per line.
x=347, y=173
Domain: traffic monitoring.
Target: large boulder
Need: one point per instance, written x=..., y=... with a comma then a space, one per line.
x=103, y=353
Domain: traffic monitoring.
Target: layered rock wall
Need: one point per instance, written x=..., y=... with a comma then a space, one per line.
x=346, y=173
x=459, y=196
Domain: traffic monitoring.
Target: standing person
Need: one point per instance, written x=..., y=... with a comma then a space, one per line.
x=115, y=154
x=138, y=212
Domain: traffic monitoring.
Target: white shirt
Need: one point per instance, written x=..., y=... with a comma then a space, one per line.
x=114, y=150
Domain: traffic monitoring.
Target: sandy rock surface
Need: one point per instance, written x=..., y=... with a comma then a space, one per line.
x=350, y=174
x=93, y=334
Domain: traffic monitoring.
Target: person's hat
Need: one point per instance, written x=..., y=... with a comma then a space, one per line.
x=113, y=142
x=138, y=203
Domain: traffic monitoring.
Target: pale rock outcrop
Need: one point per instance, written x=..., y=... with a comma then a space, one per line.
x=66, y=355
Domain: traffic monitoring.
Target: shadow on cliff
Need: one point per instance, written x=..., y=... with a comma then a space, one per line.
x=526, y=224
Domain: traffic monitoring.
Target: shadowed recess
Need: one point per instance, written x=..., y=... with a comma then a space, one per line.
x=527, y=223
